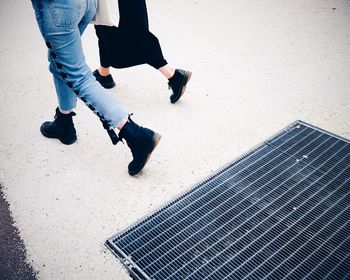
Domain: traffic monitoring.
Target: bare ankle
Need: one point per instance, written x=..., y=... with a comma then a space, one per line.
x=104, y=71
x=66, y=112
x=122, y=123
x=167, y=71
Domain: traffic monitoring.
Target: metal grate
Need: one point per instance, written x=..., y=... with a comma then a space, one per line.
x=281, y=211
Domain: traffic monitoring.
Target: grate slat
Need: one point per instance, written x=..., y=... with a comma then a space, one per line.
x=280, y=211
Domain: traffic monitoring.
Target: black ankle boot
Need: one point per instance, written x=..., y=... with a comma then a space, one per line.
x=141, y=141
x=61, y=128
x=105, y=81
x=177, y=84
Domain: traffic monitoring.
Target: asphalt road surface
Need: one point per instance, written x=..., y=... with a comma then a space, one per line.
x=13, y=265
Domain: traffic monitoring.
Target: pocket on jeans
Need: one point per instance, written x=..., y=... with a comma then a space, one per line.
x=66, y=13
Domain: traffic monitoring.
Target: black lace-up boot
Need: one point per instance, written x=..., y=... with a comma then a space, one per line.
x=61, y=128
x=177, y=83
x=141, y=141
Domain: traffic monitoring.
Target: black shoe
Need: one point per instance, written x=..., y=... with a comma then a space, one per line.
x=105, y=81
x=177, y=84
x=61, y=128
x=141, y=141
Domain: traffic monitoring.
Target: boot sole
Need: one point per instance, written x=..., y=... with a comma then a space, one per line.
x=156, y=140
x=108, y=86
x=187, y=78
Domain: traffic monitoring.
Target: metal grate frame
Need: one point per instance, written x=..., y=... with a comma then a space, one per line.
x=280, y=211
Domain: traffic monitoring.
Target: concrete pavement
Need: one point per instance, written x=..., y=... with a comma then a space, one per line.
x=257, y=66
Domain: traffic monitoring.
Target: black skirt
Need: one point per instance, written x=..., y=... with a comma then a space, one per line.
x=131, y=43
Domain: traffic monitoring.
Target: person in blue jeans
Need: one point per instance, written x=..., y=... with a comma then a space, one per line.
x=61, y=23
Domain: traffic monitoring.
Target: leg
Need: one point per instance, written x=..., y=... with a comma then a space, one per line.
x=62, y=34
x=61, y=26
x=67, y=102
x=177, y=78
x=102, y=74
x=67, y=99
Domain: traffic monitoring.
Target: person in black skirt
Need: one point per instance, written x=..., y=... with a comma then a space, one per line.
x=130, y=44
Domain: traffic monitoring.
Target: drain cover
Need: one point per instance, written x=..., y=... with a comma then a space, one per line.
x=281, y=211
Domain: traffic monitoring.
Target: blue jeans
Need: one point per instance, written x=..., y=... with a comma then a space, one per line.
x=62, y=23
